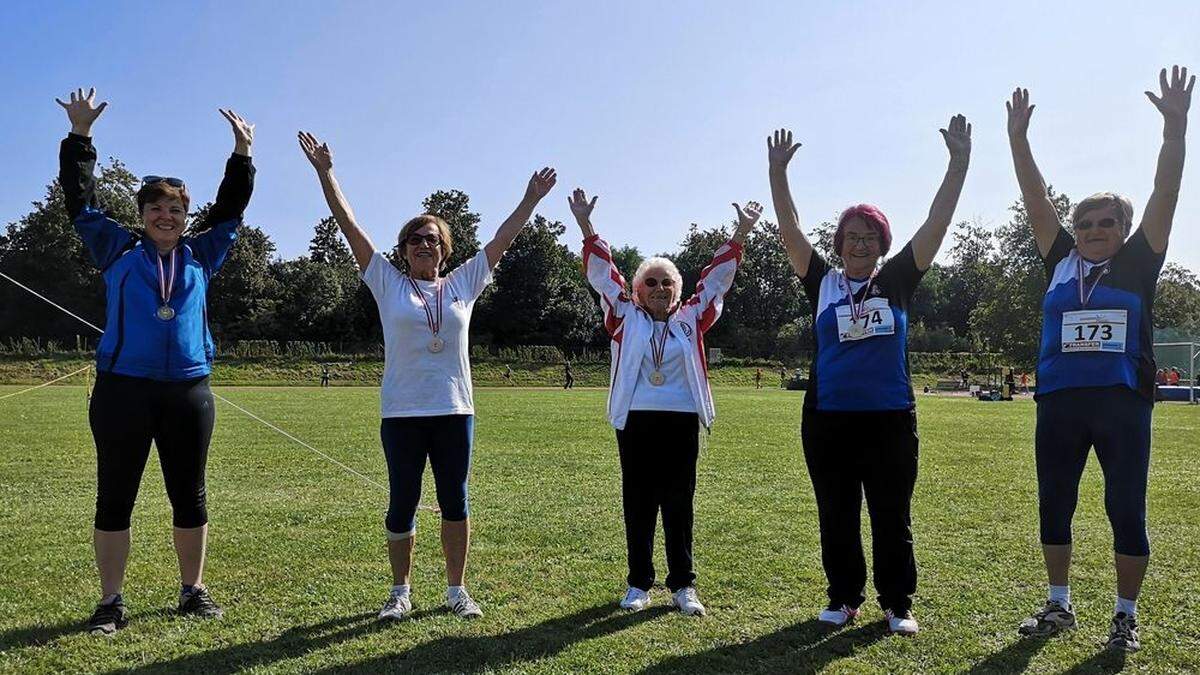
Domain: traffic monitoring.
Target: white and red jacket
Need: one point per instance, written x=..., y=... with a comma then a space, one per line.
x=631, y=327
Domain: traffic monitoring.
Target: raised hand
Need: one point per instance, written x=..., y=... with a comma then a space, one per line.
x=780, y=149
x=1176, y=96
x=748, y=216
x=958, y=138
x=580, y=206
x=243, y=131
x=1019, y=112
x=82, y=110
x=540, y=184
x=318, y=153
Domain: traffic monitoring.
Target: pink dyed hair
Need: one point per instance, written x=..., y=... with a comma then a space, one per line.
x=873, y=217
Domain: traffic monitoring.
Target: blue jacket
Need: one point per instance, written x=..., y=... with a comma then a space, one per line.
x=136, y=342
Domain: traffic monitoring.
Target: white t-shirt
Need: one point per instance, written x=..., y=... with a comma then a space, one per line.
x=672, y=395
x=416, y=381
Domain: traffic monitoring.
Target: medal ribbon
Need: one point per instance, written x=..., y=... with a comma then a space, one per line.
x=1084, y=297
x=659, y=347
x=856, y=311
x=165, y=286
x=435, y=324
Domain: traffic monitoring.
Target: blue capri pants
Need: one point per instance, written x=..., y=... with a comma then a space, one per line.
x=1115, y=421
x=446, y=440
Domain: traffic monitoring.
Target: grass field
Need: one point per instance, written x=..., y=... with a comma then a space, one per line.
x=297, y=553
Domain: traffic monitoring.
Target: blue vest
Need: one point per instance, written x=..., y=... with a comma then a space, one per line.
x=136, y=341
x=868, y=371
x=1109, y=341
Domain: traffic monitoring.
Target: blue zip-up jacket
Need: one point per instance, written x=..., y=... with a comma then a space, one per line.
x=136, y=342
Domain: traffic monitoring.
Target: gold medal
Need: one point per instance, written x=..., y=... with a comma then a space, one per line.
x=657, y=378
x=165, y=312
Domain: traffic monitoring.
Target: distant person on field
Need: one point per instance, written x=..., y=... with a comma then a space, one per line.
x=859, y=427
x=153, y=363
x=659, y=396
x=783, y=378
x=1025, y=382
x=1096, y=366
x=758, y=378
x=324, y=374
x=568, y=376
x=426, y=397
x=965, y=377
x=508, y=375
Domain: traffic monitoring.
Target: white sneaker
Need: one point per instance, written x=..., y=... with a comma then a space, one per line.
x=462, y=605
x=396, y=607
x=687, y=601
x=902, y=624
x=839, y=616
x=635, y=599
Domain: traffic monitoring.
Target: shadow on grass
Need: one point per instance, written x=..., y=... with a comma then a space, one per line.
x=1014, y=658
x=465, y=654
x=802, y=648
x=1106, y=661
x=38, y=635
x=291, y=643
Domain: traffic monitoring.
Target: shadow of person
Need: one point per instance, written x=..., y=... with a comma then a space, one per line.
x=464, y=654
x=1012, y=659
x=40, y=634
x=288, y=644
x=1106, y=661
x=801, y=648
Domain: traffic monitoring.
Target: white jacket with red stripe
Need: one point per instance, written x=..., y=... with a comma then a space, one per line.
x=630, y=327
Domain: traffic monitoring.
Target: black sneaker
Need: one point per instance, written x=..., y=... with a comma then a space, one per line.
x=1123, y=634
x=199, y=603
x=1053, y=618
x=108, y=618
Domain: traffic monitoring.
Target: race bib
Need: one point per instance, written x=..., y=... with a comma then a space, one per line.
x=1094, y=330
x=877, y=319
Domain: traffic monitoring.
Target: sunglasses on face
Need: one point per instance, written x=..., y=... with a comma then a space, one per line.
x=1103, y=223
x=416, y=239
x=651, y=282
x=173, y=182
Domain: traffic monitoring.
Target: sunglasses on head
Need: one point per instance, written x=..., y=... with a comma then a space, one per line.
x=416, y=239
x=173, y=182
x=651, y=282
x=1104, y=223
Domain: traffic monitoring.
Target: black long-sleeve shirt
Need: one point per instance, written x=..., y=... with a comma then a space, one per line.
x=77, y=163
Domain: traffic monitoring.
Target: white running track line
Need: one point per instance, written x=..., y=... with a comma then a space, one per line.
x=46, y=384
x=215, y=394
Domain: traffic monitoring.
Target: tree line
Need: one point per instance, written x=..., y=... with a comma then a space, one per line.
x=986, y=296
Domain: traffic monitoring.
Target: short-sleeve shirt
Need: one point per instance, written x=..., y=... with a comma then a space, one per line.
x=867, y=371
x=416, y=381
x=1110, y=341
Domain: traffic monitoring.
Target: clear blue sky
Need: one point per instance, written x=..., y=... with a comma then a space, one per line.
x=660, y=108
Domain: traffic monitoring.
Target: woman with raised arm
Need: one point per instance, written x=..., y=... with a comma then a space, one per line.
x=659, y=395
x=426, y=401
x=153, y=362
x=859, y=426
x=1095, y=380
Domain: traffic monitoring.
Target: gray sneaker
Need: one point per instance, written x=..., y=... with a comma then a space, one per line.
x=1123, y=634
x=397, y=607
x=462, y=605
x=1055, y=617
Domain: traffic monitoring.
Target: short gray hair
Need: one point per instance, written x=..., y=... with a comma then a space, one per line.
x=665, y=264
x=1103, y=199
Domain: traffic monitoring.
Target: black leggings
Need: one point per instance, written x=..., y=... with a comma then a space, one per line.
x=851, y=455
x=127, y=413
x=658, y=472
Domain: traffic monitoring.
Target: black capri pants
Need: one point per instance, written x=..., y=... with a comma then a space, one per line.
x=126, y=413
